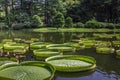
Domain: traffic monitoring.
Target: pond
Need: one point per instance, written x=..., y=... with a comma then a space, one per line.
x=108, y=66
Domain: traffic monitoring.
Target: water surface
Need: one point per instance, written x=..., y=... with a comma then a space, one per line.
x=108, y=67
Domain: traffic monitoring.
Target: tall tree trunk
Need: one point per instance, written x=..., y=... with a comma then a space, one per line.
x=12, y=6
x=31, y=8
x=46, y=15
x=21, y=4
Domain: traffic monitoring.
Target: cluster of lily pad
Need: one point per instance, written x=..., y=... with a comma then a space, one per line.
x=106, y=43
x=53, y=56
x=49, y=57
x=107, y=46
x=106, y=36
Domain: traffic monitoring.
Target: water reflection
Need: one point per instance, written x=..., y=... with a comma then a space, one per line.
x=74, y=74
x=97, y=75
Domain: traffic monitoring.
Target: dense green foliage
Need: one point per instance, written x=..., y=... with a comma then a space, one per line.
x=92, y=24
x=36, y=21
x=79, y=25
x=68, y=22
x=35, y=13
x=59, y=20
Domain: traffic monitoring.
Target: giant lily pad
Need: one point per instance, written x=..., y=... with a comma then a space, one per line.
x=116, y=43
x=75, y=45
x=7, y=40
x=104, y=50
x=37, y=45
x=61, y=47
x=118, y=54
x=1, y=46
x=88, y=43
x=72, y=63
x=44, y=53
x=17, y=39
x=4, y=60
x=30, y=70
x=12, y=47
x=34, y=39
x=102, y=44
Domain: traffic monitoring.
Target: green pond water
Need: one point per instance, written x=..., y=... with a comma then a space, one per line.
x=108, y=67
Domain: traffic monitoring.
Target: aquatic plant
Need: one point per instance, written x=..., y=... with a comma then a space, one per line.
x=87, y=43
x=104, y=50
x=29, y=70
x=64, y=48
x=116, y=43
x=4, y=60
x=38, y=45
x=72, y=63
x=7, y=40
x=41, y=54
x=118, y=54
x=17, y=39
x=15, y=46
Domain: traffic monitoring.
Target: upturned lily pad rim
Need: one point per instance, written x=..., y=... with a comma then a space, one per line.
x=59, y=45
x=42, y=54
x=39, y=43
x=45, y=50
x=72, y=57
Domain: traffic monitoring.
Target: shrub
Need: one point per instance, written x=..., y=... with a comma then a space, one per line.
x=3, y=26
x=92, y=24
x=18, y=26
x=102, y=25
x=27, y=25
x=117, y=26
x=69, y=22
x=110, y=25
x=36, y=21
x=22, y=17
x=58, y=20
x=79, y=25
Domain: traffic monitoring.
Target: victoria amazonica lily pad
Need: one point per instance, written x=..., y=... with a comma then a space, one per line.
x=38, y=45
x=4, y=60
x=30, y=70
x=104, y=50
x=61, y=47
x=87, y=43
x=118, y=54
x=16, y=46
x=17, y=39
x=7, y=40
x=116, y=43
x=41, y=54
x=102, y=44
x=1, y=46
x=72, y=63
x=75, y=45
x=34, y=39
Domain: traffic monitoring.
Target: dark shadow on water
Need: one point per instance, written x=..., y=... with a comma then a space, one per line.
x=97, y=75
x=74, y=74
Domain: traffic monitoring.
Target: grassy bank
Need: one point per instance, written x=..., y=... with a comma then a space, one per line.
x=75, y=30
